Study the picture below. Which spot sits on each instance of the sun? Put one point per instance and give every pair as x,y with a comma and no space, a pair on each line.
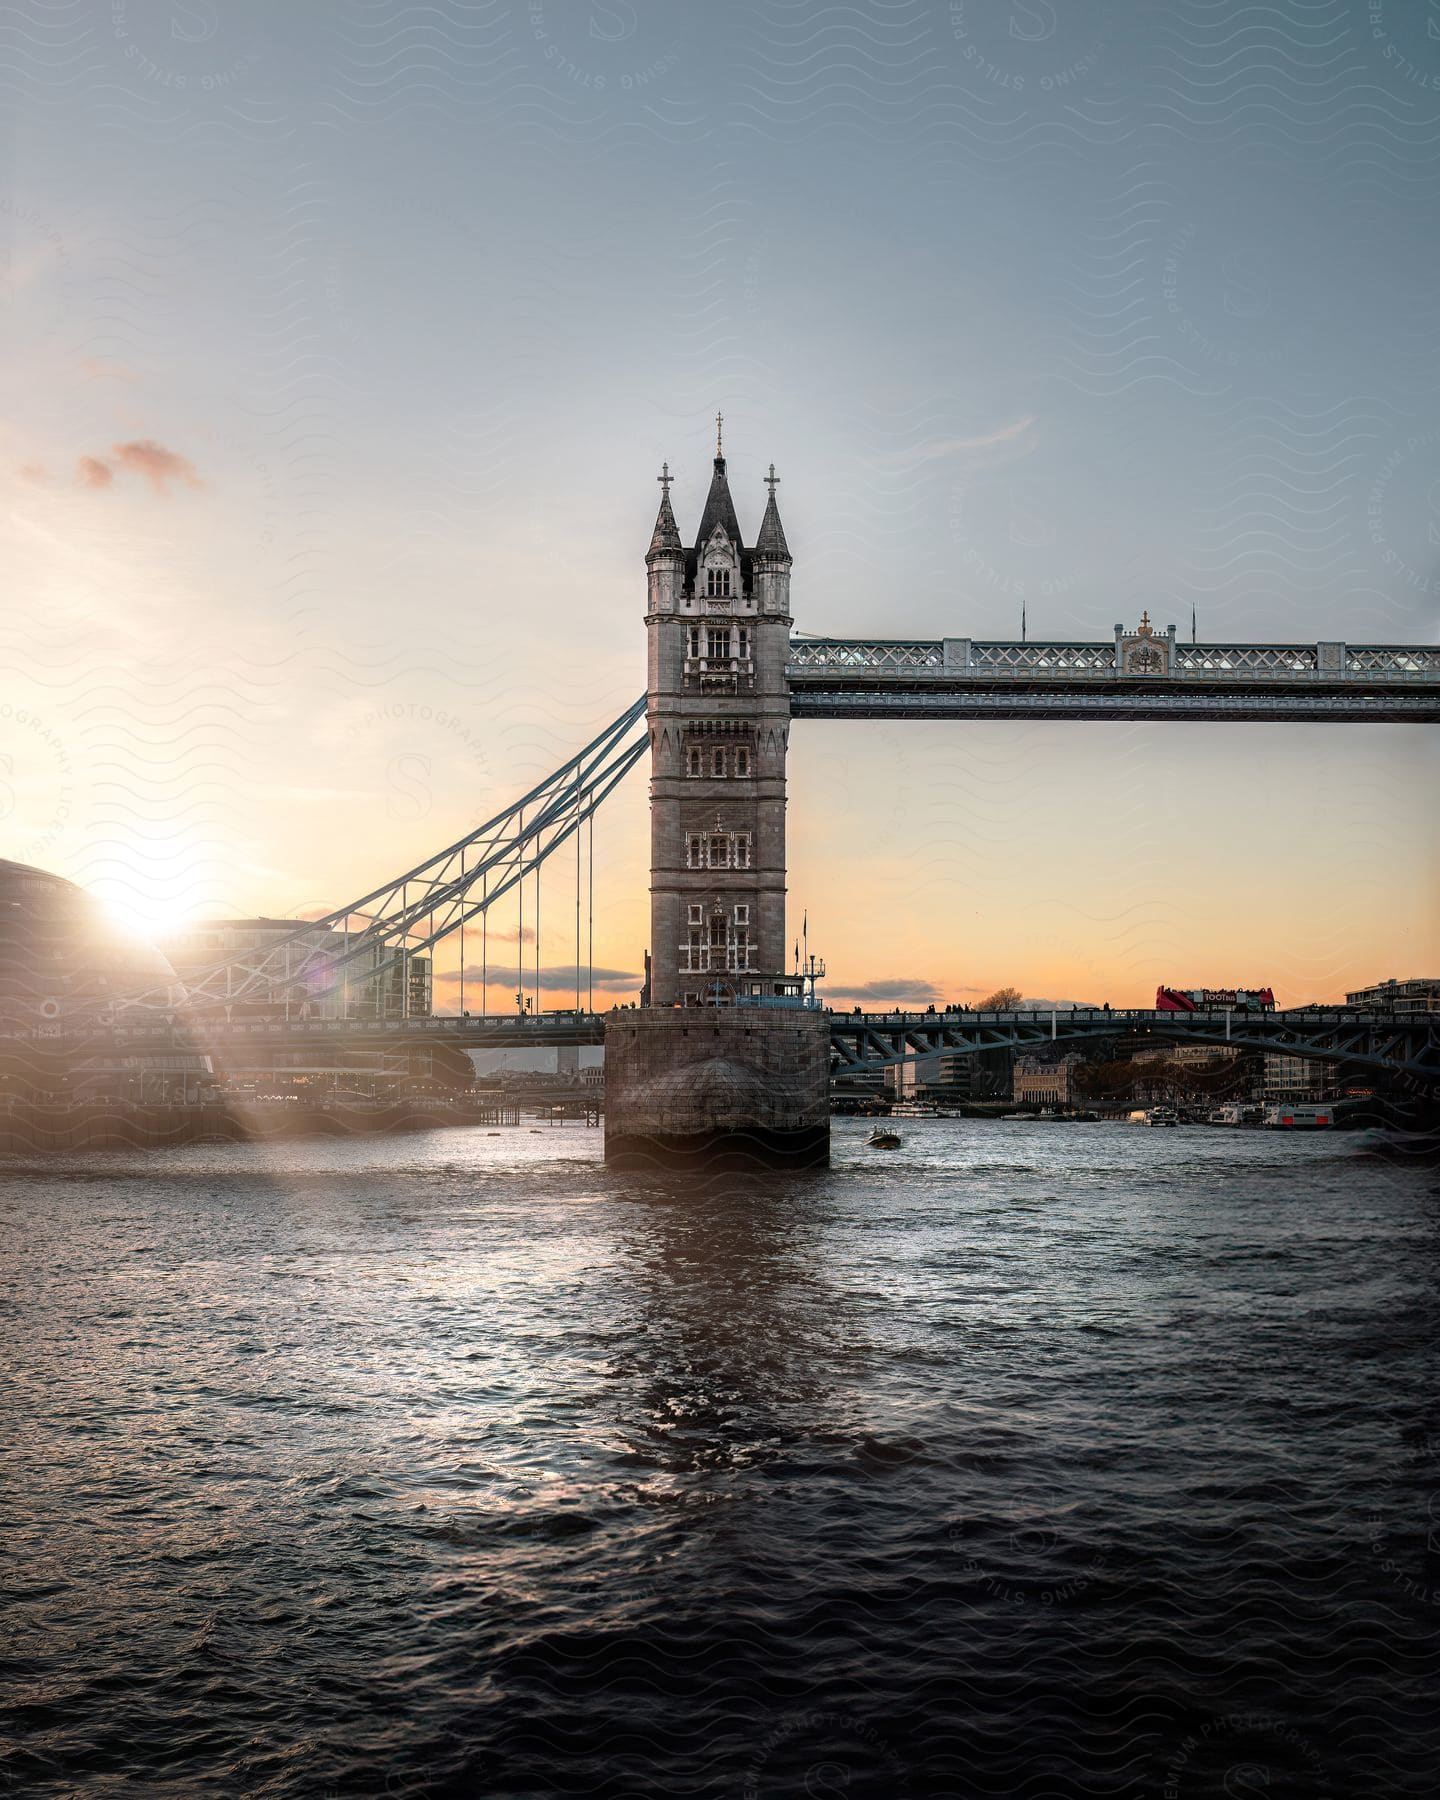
154,892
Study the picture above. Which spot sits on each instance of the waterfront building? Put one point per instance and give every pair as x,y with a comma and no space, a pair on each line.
298,981
901,1080
1420,994
67,971
1298,1078
1203,1055
949,1076
1046,1081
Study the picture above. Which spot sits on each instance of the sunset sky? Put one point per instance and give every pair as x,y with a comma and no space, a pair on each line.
343,350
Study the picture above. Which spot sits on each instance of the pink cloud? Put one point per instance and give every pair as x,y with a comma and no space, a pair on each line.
159,466
94,473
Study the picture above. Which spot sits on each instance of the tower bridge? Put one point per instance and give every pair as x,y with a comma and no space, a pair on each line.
727,1050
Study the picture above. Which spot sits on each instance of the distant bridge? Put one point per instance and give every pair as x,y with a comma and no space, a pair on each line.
859,1042
866,1041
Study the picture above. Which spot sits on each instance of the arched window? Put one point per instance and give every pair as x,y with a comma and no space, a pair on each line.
697,762
717,581
719,764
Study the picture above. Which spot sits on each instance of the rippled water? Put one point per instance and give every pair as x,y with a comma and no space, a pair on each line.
1032,1460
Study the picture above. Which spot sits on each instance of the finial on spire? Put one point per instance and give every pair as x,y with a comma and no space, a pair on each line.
1144,629
665,478
719,426
771,541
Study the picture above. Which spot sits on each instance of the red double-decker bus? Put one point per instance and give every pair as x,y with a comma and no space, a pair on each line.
1169,999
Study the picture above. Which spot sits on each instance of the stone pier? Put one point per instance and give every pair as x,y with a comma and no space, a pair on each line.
717,1087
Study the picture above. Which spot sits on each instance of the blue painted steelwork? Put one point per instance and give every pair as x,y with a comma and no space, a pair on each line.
1411,1045
863,1041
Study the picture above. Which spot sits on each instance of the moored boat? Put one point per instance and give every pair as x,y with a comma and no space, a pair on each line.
1237,1113
1300,1116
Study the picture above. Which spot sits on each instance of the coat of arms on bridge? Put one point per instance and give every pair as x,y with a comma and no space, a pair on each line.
1143,651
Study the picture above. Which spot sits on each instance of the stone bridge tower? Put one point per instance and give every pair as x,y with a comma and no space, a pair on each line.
727,1066
718,624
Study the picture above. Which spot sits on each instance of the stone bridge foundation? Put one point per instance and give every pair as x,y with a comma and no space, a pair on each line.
718,1087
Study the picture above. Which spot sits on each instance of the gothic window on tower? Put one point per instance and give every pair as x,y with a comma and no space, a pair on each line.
742,761
697,762
742,635
694,641
697,915
742,849
717,581
717,643
695,851
719,764
719,851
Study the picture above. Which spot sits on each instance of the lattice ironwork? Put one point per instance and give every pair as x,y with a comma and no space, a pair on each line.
865,653
1042,659
1313,663
1396,659
1247,659
410,913
1327,1034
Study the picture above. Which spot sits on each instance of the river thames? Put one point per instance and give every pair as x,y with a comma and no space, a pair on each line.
1029,1459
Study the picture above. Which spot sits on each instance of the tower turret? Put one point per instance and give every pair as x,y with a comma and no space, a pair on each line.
665,559
771,558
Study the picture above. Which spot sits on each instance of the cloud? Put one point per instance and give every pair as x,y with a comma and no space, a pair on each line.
97,369
994,440
557,975
891,987
143,457
159,466
36,472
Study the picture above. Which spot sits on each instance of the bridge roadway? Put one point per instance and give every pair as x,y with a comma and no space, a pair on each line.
961,678
858,1041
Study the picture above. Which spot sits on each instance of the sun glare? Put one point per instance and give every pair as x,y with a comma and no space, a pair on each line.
151,898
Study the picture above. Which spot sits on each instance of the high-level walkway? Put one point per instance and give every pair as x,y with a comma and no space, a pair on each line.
960,678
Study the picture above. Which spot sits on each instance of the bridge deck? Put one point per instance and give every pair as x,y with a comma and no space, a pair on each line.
858,1041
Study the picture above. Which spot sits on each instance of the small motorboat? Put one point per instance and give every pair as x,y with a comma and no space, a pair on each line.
884,1137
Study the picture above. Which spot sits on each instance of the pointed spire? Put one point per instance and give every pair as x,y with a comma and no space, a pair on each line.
665,540
719,509
771,541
